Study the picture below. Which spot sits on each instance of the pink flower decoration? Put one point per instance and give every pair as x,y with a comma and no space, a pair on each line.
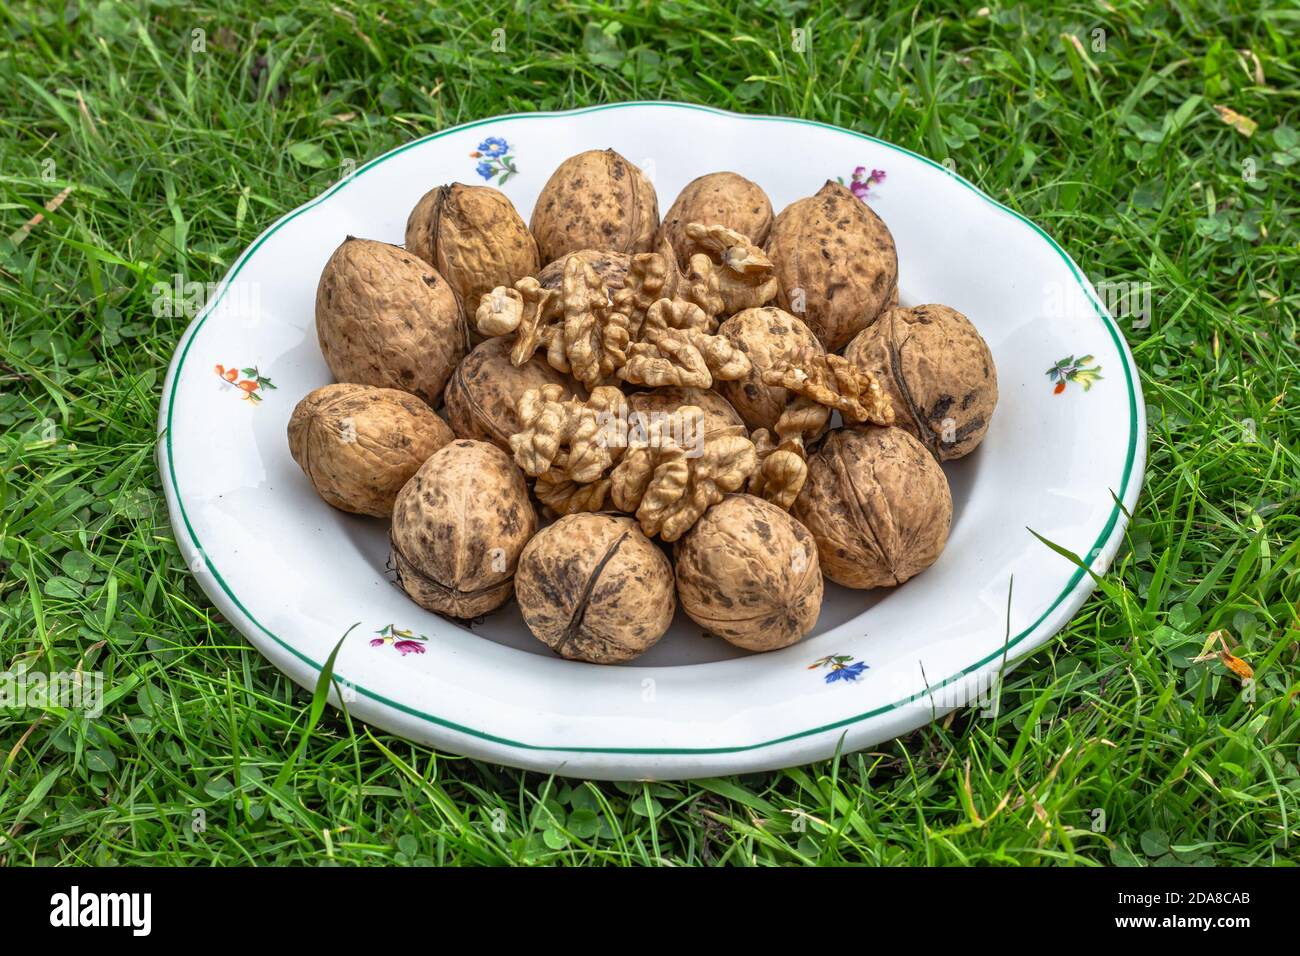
409,647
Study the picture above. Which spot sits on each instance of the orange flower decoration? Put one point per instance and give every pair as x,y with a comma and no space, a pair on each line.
249,386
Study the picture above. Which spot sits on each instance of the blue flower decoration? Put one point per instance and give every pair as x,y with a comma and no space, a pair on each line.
492,147
846,672
485,169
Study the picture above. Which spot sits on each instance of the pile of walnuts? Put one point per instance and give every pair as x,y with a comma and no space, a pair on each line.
742,387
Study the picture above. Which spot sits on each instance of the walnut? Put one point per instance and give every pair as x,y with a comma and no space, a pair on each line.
526,311
675,350
725,198
835,382
582,332
595,200
670,485
835,262
743,275
802,418
567,433
561,495
385,318
937,370
771,337
748,572
701,285
499,312
658,403
878,504
474,237
459,526
612,267
593,340
480,398
358,445
782,469
651,276
593,588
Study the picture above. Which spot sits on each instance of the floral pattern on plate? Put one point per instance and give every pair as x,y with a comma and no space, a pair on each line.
252,383
400,639
841,667
1071,369
494,160
861,182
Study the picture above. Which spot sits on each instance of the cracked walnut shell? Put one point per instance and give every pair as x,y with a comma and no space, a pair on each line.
878,504
595,200
938,372
474,237
593,588
386,318
358,445
459,526
836,264
748,572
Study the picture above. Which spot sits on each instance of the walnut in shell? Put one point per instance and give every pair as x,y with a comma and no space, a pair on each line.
938,372
748,572
384,317
836,264
474,237
727,199
771,337
595,200
878,504
482,394
459,526
358,445
593,588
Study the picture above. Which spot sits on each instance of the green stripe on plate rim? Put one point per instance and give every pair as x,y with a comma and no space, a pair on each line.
482,735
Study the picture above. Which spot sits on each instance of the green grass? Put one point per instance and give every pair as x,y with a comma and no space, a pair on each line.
1111,745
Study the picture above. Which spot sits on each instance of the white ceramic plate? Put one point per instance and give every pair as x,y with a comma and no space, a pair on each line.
294,575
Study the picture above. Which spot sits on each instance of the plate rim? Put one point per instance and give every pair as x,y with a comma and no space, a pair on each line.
1075,591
